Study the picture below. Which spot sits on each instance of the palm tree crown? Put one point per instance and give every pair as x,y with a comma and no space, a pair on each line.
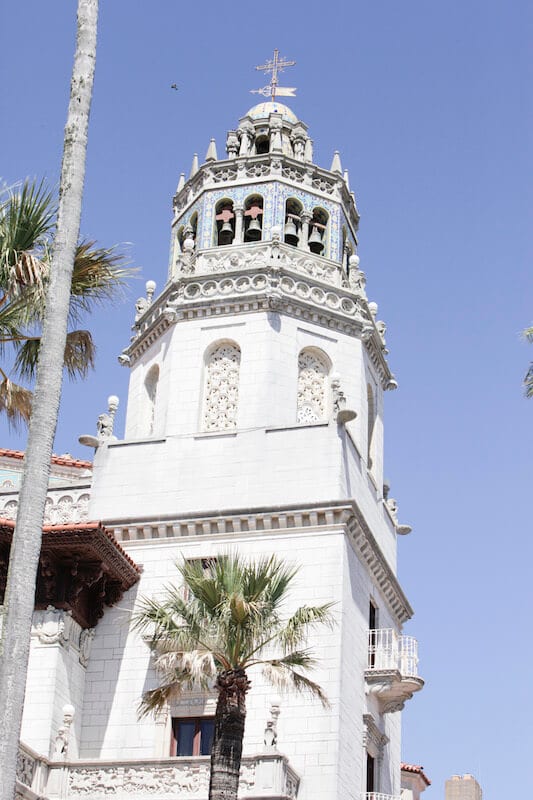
232,620
27,227
528,380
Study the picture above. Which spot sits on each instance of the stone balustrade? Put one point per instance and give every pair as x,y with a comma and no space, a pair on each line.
267,776
65,505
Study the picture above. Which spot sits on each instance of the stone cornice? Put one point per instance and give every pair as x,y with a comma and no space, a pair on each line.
333,516
267,286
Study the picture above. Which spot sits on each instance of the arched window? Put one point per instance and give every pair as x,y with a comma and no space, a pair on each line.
313,369
150,385
317,231
262,144
293,221
371,423
253,218
224,222
221,391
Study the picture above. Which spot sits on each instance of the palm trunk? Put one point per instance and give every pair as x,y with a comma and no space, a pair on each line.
226,753
26,545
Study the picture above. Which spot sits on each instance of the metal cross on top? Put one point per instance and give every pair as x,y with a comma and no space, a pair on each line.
275,65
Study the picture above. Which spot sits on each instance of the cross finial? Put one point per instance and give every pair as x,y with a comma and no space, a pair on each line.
275,65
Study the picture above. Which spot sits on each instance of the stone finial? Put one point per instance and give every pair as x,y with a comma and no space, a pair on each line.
341,412
392,506
308,154
194,166
232,144
63,733
336,163
347,179
181,183
211,154
373,308
392,384
150,287
104,426
271,729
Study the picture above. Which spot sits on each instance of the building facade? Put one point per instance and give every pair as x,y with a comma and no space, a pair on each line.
254,422
462,787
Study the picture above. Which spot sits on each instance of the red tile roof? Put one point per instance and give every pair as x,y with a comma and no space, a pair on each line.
417,769
60,461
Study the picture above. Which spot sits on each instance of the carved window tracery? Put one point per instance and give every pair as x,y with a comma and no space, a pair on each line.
313,369
222,387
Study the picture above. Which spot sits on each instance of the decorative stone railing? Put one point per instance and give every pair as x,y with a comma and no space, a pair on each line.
267,776
62,505
378,796
270,165
219,259
392,670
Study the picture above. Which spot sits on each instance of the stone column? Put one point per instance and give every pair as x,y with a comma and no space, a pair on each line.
304,232
239,224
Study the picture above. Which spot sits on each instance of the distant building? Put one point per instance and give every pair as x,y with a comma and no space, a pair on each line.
462,787
413,781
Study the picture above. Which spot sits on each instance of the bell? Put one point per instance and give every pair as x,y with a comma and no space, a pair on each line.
253,234
315,242
291,233
225,234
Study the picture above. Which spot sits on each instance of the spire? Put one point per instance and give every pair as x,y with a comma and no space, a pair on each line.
211,154
347,179
336,163
181,183
194,166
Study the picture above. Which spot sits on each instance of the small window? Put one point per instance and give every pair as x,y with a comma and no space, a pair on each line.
221,389
262,145
192,736
370,773
313,369
371,424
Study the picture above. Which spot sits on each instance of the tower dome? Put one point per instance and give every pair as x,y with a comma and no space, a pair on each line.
263,111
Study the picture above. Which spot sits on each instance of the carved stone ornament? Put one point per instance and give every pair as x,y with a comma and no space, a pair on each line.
53,626
25,768
222,388
312,379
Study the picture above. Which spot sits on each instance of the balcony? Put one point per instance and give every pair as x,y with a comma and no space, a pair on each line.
267,776
392,671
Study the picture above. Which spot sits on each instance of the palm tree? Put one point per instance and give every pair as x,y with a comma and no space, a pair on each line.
28,217
26,544
231,621
528,380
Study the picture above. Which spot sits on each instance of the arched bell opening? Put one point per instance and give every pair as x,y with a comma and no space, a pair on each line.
262,144
253,219
225,222
317,231
293,222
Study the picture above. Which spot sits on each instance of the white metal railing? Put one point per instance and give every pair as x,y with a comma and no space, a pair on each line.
387,650
378,796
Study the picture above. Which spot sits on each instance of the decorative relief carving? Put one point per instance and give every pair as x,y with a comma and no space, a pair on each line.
312,380
222,388
53,626
71,507
25,768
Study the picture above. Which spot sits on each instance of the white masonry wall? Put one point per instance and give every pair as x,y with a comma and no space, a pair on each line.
318,742
269,460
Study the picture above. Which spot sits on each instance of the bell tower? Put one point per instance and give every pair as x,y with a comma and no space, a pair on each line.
255,422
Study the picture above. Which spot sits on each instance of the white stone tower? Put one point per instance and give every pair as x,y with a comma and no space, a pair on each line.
255,422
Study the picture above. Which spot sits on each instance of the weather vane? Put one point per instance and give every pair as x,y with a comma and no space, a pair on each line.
275,65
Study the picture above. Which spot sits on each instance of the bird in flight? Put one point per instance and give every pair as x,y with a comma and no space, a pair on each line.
174,86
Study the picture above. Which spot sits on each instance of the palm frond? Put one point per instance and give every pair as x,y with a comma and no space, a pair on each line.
304,619
99,274
78,358
27,215
15,402
528,382
79,353
282,674
528,333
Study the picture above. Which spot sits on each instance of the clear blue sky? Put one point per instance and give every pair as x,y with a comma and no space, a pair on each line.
430,106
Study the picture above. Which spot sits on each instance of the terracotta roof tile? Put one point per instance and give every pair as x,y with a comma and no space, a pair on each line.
60,461
417,769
